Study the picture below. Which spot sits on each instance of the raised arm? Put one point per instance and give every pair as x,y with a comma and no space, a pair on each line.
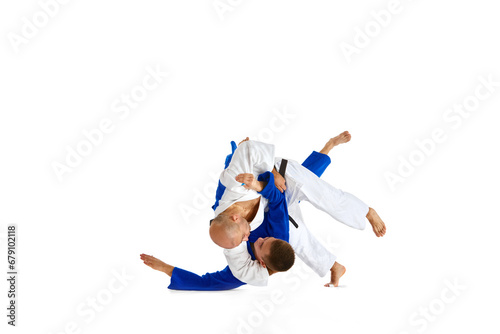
250,157
185,280
278,211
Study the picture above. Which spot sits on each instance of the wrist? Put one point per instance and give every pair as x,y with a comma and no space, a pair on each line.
168,269
260,186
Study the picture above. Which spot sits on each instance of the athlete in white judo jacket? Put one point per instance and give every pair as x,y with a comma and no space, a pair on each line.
240,210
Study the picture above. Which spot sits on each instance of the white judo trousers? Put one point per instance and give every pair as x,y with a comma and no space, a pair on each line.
303,185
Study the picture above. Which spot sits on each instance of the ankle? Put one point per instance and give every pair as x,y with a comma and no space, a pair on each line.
369,215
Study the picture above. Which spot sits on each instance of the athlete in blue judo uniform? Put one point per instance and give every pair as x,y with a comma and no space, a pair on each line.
241,210
275,225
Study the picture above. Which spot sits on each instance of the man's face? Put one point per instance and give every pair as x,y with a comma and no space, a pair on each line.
242,233
262,249
244,230
231,232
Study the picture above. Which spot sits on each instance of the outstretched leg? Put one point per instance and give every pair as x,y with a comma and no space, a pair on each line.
343,206
303,185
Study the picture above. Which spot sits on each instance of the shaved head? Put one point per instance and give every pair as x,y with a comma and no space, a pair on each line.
228,231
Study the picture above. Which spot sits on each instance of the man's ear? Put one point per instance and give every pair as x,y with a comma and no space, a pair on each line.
262,263
234,217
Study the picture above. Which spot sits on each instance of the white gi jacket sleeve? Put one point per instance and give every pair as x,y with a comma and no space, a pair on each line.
250,157
244,268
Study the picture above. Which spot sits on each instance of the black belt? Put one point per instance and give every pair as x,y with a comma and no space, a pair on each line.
282,171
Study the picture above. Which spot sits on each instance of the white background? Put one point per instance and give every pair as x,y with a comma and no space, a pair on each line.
227,79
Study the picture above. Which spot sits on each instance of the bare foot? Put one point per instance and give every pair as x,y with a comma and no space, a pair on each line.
342,138
157,264
376,222
336,273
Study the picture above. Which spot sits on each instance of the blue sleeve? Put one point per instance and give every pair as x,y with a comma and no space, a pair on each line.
317,163
220,280
270,191
277,214
220,187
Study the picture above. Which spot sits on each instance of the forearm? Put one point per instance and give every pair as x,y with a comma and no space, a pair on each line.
250,157
248,181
